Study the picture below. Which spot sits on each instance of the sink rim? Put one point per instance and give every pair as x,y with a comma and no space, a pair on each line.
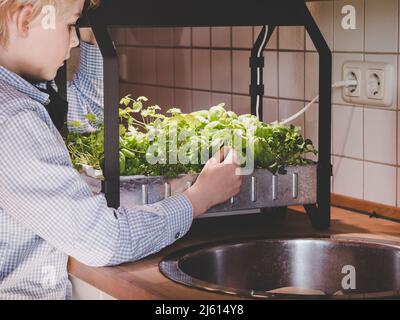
169,267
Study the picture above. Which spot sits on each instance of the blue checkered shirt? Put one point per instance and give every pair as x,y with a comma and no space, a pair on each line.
47,212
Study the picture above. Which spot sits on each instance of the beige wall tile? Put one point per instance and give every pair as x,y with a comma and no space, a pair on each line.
380,183
397,138
141,65
291,75
311,127
348,39
139,90
398,187
165,98
217,98
311,75
291,38
221,37
125,89
271,73
381,25
201,100
221,70
347,125
344,171
241,104
288,108
163,36
147,60
322,12
241,71
183,67
201,74
242,37
380,135
398,84
183,99
270,111
133,64
182,37
165,66
201,37
139,36
148,91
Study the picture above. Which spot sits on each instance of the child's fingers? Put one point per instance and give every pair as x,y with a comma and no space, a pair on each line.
232,157
219,156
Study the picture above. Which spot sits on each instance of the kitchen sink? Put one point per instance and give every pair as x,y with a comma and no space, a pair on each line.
290,268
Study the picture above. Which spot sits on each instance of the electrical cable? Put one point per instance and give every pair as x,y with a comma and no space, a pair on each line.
339,84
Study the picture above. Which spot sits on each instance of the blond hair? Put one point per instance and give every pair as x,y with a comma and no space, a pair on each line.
9,7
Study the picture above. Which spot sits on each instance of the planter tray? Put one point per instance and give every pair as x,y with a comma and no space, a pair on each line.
262,189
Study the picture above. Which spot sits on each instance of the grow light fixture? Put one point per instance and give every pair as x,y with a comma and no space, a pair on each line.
206,13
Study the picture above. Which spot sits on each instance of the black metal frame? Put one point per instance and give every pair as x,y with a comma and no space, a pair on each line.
188,13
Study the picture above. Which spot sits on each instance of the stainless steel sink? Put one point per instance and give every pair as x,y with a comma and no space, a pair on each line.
321,268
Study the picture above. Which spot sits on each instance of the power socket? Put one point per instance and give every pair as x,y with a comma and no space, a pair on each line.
352,74
375,83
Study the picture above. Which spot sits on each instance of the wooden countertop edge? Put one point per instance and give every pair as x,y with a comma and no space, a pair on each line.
127,282
126,289
106,280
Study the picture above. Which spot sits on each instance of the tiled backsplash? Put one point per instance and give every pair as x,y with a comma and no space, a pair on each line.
195,68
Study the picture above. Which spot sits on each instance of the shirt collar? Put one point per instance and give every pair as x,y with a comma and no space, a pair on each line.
22,85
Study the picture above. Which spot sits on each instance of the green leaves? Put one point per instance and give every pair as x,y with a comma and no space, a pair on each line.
125,100
188,139
279,146
174,111
216,112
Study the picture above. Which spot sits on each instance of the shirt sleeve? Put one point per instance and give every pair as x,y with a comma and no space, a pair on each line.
85,91
41,190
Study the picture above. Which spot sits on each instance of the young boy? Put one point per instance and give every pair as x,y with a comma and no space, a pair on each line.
47,212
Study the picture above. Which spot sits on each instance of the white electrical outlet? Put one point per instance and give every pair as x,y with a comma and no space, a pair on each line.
375,83
350,73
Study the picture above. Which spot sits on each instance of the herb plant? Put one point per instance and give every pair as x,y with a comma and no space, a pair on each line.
146,134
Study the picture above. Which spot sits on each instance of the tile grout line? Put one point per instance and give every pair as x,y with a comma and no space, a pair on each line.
363,111
333,48
231,55
211,68
253,37
191,69
173,68
397,106
383,53
278,70
304,80
266,97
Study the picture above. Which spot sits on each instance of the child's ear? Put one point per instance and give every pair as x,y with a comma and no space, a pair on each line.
23,19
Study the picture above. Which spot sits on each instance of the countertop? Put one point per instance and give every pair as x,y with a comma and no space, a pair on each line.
142,279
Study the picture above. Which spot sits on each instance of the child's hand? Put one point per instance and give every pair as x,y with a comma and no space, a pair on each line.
87,35
216,183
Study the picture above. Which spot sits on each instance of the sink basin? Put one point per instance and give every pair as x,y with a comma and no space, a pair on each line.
323,268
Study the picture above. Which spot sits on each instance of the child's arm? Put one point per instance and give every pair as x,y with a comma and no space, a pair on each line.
42,191
85,90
